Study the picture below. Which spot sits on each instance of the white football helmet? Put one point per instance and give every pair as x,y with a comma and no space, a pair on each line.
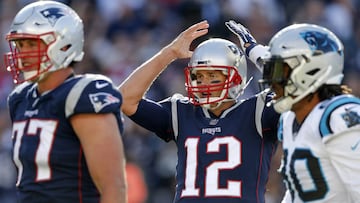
216,54
53,23
313,53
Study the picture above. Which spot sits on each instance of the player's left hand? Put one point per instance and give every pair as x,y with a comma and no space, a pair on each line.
247,41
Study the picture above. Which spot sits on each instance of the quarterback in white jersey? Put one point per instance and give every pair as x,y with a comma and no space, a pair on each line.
320,122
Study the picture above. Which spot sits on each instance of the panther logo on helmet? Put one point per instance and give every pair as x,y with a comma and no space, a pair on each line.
319,41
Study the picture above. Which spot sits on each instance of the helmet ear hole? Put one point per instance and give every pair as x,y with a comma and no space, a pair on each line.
65,48
313,72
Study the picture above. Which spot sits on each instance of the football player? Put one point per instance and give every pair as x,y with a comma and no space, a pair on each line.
224,144
320,121
65,127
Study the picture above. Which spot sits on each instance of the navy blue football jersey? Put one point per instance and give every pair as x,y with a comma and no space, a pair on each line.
46,151
220,159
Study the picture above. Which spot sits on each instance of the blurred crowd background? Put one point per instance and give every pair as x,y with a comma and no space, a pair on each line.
121,34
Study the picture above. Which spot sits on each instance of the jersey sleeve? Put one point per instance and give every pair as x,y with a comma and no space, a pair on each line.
155,117
340,115
269,117
341,137
256,55
93,94
344,153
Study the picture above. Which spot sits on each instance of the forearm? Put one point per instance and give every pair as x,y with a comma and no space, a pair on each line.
136,85
114,195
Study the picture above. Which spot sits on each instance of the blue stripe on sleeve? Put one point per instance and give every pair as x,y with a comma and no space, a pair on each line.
325,119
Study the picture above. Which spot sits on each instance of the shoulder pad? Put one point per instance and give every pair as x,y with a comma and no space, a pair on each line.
97,77
19,91
95,91
330,107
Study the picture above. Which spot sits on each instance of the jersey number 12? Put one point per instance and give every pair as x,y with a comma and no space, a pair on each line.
233,147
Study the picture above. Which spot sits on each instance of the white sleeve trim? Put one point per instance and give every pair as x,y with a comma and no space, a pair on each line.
260,104
256,53
174,114
74,96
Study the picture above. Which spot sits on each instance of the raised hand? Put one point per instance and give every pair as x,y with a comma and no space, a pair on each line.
247,41
249,46
180,46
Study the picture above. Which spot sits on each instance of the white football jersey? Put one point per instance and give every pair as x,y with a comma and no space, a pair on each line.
321,160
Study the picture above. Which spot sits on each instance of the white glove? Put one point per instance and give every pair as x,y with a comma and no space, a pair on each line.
247,41
249,46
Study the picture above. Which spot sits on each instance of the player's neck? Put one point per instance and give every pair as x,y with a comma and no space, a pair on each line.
223,106
303,108
54,79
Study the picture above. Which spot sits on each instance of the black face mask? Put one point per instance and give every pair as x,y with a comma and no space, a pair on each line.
274,73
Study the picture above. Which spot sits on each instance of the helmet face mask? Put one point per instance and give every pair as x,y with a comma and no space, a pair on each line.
273,73
216,90
314,57
49,22
221,56
29,64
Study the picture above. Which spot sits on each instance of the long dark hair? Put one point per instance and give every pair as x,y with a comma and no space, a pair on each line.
328,91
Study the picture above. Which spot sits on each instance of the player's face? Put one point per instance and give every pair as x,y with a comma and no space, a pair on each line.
212,82
276,75
30,53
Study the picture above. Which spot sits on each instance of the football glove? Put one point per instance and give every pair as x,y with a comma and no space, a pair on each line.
247,41
249,46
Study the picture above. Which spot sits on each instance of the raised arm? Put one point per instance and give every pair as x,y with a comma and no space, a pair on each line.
138,82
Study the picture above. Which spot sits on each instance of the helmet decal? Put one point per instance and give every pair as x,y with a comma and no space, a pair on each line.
319,41
52,14
234,49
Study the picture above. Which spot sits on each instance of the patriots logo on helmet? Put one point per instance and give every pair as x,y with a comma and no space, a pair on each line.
101,100
319,42
234,49
53,14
